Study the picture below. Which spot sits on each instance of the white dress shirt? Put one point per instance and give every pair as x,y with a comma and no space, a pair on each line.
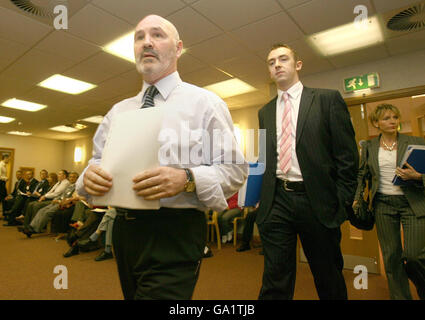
294,93
57,189
191,111
3,171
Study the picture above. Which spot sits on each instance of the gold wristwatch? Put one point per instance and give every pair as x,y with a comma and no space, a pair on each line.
189,186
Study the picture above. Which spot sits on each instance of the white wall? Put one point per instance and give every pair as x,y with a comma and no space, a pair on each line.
34,152
399,72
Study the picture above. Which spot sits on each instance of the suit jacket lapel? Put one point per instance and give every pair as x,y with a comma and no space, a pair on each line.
270,120
401,148
305,105
374,154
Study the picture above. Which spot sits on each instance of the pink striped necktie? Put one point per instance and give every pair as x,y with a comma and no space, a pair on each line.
285,153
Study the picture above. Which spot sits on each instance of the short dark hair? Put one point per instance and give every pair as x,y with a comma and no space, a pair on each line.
4,156
66,173
284,45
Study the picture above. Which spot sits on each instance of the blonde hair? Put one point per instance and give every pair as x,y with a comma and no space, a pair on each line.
380,110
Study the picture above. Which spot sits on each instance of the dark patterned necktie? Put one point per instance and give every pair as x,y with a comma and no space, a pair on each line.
150,93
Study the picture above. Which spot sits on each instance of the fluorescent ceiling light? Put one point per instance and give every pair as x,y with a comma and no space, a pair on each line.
63,129
65,84
20,133
347,37
230,88
94,119
6,119
23,105
418,96
122,47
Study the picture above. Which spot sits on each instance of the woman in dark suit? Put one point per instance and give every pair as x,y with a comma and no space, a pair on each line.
395,205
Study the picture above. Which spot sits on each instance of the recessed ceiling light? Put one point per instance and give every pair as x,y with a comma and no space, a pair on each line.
20,133
65,84
94,119
63,129
123,47
230,88
6,119
418,96
23,105
347,37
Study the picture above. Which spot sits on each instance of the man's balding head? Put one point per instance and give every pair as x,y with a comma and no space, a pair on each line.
157,47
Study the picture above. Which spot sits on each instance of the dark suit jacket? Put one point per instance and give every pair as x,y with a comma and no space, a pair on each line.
369,166
326,151
42,187
31,186
19,185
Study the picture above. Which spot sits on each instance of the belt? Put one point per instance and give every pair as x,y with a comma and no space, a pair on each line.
292,186
130,214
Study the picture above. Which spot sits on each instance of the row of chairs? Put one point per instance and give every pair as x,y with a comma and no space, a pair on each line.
213,226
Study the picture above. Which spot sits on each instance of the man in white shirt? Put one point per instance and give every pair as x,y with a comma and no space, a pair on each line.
3,179
159,252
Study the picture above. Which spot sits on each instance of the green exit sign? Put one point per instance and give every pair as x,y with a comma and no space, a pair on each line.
366,81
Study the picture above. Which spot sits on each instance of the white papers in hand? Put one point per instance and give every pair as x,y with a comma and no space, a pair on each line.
131,147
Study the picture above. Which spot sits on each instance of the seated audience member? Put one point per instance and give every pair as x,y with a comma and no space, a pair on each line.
83,230
45,214
10,199
30,185
43,186
225,219
3,179
248,230
106,226
61,221
55,192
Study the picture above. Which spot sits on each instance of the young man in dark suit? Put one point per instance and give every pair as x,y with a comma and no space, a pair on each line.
309,181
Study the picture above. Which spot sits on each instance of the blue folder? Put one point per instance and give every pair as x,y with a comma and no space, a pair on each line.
249,194
415,156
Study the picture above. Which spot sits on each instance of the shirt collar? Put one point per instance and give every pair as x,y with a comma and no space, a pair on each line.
165,86
294,92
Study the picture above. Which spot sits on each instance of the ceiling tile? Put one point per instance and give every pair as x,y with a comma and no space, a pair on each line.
97,26
188,63
383,6
134,11
13,52
264,33
406,43
288,4
205,77
99,68
218,49
359,56
249,68
236,13
319,15
67,45
20,28
185,19
36,66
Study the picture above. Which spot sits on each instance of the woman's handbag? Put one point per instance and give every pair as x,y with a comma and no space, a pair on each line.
363,217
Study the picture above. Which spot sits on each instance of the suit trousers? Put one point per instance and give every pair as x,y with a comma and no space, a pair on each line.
401,261
43,216
292,215
159,253
32,210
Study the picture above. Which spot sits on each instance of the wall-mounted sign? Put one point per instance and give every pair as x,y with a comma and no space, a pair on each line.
366,81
